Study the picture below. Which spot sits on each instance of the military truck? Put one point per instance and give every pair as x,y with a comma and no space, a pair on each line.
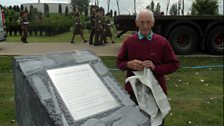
186,34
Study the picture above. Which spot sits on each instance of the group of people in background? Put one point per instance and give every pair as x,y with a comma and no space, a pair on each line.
100,27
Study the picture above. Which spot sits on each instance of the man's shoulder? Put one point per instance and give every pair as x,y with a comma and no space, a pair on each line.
160,37
132,37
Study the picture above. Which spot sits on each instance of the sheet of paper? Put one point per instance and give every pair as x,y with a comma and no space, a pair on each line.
150,96
82,90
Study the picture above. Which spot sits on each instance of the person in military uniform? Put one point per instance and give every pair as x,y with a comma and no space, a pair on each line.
93,10
107,27
24,26
78,28
99,29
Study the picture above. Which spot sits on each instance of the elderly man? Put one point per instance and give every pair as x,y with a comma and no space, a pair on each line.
146,49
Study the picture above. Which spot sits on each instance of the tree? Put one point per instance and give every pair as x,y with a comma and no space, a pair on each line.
46,9
21,7
59,9
31,8
151,6
179,7
26,9
111,13
66,10
34,14
205,7
173,9
182,10
157,11
14,8
80,5
115,13
118,7
17,8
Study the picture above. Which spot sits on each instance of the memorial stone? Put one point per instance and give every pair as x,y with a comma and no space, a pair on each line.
71,89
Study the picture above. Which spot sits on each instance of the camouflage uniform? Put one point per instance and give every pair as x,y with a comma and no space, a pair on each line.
78,28
24,26
107,27
92,23
99,30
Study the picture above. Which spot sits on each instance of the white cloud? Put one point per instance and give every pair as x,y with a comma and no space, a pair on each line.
18,2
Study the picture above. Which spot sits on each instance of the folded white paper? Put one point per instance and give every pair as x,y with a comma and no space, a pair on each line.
150,96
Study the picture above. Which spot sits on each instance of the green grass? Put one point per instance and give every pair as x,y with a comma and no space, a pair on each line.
197,97
64,37
196,94
7,104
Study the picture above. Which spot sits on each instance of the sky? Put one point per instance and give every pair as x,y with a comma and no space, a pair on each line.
126,6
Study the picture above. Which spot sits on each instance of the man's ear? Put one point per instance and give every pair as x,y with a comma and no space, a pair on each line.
153,23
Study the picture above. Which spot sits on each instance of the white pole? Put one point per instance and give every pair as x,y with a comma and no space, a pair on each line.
135,6
167,6
118,7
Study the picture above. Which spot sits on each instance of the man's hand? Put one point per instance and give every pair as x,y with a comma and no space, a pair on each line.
135,65
149,64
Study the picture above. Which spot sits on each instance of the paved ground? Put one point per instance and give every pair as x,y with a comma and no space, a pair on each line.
18,48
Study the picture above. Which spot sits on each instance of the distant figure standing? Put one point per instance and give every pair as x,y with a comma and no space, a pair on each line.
99,30
92,23
78,28
108,27
24,26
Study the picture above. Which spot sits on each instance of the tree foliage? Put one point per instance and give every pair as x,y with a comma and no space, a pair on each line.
173,9
80,5
46,9
66,10
59,9
151,6
205,7
33,15
11,15
157,10
21,7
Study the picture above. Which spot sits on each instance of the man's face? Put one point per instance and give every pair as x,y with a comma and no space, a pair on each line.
145,23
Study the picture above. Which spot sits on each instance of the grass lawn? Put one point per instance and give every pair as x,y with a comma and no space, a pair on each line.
196,95
64,37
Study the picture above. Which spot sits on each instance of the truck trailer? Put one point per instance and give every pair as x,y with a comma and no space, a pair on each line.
186,34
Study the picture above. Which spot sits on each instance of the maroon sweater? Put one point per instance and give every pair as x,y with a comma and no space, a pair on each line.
158,50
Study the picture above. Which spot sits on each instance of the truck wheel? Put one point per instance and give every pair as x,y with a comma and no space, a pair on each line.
183,39
215,40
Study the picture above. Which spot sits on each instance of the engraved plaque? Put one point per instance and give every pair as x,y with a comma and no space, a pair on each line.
82,91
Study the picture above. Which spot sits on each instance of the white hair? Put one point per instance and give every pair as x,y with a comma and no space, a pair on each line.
147,11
